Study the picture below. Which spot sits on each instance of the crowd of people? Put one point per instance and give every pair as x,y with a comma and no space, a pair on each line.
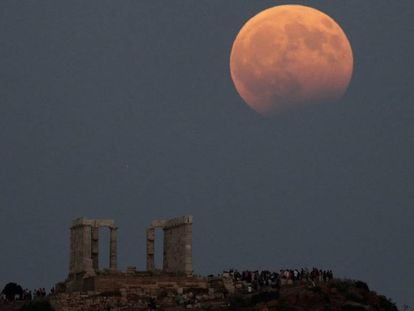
258,279
26,295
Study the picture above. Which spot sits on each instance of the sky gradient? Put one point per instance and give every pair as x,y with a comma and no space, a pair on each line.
126,110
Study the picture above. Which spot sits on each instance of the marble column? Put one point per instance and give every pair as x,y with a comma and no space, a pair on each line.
72,262
150,249
95,248
113,249
86,247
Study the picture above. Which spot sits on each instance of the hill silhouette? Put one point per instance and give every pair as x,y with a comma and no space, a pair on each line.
334,295
341,295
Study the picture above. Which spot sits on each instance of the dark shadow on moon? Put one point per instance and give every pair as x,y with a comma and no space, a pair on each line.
313,38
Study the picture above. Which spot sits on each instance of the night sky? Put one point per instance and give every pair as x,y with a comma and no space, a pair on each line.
126,110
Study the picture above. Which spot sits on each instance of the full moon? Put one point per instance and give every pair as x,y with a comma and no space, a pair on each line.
290,56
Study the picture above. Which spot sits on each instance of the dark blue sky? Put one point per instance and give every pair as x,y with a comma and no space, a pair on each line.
126,110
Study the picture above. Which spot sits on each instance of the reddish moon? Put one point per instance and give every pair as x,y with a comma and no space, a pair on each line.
290,56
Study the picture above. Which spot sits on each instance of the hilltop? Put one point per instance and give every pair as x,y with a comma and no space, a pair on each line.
221,294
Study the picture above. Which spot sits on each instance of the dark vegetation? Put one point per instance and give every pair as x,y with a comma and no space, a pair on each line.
334,295
11,290
37,305
16,300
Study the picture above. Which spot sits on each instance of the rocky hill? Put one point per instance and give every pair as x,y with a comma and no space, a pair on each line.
223,294
333,295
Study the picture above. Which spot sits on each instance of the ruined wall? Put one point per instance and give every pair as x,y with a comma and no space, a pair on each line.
123,292
178,246
148,284
80,249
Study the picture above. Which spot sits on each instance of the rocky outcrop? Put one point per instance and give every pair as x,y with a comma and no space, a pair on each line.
224,294
333,295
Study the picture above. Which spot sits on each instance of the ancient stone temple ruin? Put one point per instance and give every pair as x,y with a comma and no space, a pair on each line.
84,270
173,287
84,246
177,245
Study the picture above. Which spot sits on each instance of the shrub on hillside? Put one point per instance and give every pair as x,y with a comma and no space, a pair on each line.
362,285
264,297
11,290
41,305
